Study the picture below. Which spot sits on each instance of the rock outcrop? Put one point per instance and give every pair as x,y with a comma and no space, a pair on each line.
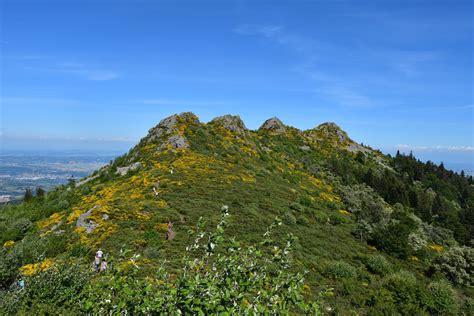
169,125
85,222
175,142
331,129
124,170
231,122
87,179
274,125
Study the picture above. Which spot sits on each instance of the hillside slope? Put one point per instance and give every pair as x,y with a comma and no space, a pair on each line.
372,231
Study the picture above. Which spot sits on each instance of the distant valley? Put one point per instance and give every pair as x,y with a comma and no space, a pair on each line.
19,171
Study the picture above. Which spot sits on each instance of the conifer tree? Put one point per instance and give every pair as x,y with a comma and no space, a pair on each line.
40,192
28,195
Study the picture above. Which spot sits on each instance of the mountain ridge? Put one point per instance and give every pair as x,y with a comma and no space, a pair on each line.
347,204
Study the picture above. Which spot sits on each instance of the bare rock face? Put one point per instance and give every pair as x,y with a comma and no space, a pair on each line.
355,148
231,122
124,170
274,124
170,124
84,221
85,180
331,129
176,142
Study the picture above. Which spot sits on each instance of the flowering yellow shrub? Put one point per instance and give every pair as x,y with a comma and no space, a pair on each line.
52,220
76,212
344,212
436,247
162,227
328,197
136,195
8,243
33,268
161,204
232,178
248,178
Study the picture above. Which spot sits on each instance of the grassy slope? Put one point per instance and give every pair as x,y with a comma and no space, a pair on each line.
260,175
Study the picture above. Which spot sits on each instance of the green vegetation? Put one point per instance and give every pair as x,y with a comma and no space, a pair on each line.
372,234
235,280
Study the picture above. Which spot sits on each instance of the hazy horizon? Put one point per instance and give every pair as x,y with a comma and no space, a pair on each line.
91,75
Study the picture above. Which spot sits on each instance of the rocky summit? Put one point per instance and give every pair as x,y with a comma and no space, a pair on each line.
360,225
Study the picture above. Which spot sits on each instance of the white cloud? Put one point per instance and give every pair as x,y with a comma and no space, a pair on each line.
84,70
436,148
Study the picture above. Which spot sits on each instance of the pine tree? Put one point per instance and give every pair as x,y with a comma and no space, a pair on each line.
369,177
28,195
40,192
72,182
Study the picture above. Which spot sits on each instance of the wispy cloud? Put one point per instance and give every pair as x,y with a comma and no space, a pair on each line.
409,63
346,96
81,69
181,102
311,53
75,139
278,34
436,148
16,101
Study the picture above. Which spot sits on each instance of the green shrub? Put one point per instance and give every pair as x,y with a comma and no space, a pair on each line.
457,263
218,276
289,219
297,207
55,245
407,293
302,220
80,250
58,286
337,219
305,201
443,300
62,205
85,189
321,218
378,264
340,270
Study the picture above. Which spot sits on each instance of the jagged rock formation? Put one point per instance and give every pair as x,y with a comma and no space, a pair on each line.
330,129
274,124
231,122
169,125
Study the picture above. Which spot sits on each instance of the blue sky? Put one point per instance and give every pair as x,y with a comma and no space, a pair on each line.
99,74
